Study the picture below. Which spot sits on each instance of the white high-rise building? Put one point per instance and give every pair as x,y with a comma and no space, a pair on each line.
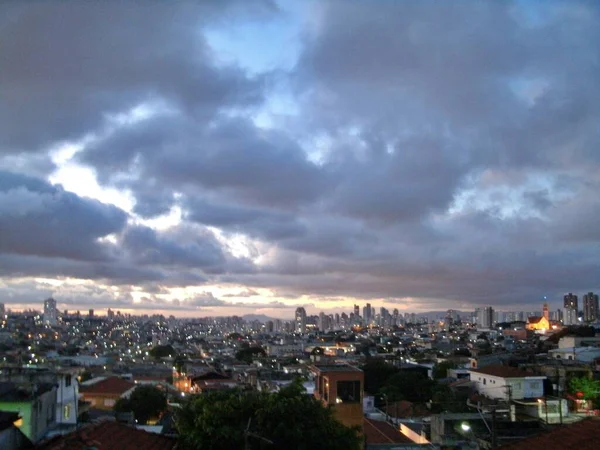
485,317
571,309
50,312
300,323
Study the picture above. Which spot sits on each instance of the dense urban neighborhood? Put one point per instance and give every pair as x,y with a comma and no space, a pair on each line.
450,379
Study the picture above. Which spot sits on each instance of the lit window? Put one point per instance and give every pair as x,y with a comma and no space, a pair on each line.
67,411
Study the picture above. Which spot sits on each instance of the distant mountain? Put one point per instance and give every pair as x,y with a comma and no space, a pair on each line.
260,317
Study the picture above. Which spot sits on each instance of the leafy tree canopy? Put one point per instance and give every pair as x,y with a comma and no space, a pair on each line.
162,351
146,402
411,386
377,372
289,419
589,388
248,354
441,370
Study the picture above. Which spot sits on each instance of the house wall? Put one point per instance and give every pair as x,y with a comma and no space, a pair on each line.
24,410
38,415
350,414
505,388
67,396
100,401
12,439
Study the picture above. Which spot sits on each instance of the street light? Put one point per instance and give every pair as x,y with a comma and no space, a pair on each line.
465,427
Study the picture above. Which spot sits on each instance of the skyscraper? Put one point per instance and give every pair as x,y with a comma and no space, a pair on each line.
485,317
356,310
570,304
367,317
590,307
300,324
50,312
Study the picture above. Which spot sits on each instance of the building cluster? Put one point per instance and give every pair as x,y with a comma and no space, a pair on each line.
510,372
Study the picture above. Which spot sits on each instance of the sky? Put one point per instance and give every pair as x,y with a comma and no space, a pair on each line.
234,157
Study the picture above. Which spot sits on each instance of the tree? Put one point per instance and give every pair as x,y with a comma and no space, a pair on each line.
248,354
441,370
584,387
234,419
146,402
162,351
411,386
377,372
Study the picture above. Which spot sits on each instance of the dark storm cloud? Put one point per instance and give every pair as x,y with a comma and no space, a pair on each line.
175,247
458,147
37,218
230,156
66,66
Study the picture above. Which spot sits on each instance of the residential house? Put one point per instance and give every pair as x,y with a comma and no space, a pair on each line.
581,354
67,398
11,437
35,404
103,393
581,435
341,387
507,383
109,435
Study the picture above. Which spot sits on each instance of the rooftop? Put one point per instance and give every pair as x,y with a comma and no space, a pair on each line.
380,432
107,386
109,436
581,435
498,370
336,368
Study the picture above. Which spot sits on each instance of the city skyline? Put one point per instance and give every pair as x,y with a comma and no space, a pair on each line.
231,158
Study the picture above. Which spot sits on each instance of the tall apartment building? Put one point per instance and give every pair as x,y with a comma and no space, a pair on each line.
485,317
570,305
300,322
590,307
50,312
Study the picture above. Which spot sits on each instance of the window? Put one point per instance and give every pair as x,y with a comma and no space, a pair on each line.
534,385
348,392
68,381
67,411
485,381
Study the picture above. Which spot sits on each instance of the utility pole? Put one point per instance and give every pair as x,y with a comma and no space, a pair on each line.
494,438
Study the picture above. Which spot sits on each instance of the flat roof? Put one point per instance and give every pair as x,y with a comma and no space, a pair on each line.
336,368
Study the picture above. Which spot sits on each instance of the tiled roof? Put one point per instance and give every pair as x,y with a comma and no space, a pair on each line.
581,436
498,370
406,409
109,436
379,432
108,386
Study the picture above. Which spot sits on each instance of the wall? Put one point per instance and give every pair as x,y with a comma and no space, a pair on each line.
12,439
67,397
99,401
24,410
497,387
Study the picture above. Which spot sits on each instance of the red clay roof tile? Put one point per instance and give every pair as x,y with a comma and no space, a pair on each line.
581,436
111,385
109,436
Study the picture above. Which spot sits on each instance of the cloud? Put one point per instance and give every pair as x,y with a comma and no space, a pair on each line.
59,88
37,218
439,153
